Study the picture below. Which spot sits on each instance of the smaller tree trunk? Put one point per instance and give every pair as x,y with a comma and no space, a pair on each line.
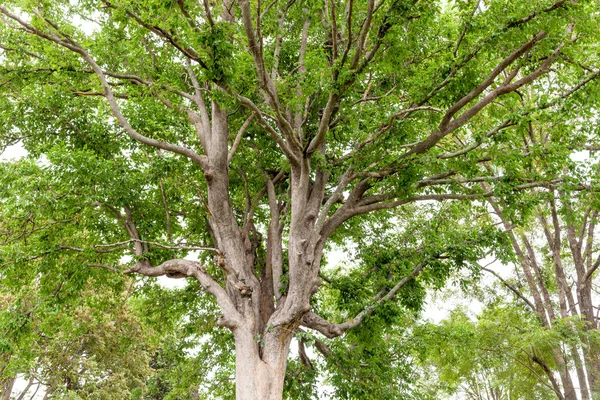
29,384
7,387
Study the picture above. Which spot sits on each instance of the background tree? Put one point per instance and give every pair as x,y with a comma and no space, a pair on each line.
555,248
257,134
557,259
86,346
553,286
504,354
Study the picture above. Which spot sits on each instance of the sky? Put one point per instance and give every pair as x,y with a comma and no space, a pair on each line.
13,152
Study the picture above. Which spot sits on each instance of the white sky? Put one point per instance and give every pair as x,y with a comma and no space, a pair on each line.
13,152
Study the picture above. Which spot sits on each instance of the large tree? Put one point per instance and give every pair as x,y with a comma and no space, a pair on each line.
254,134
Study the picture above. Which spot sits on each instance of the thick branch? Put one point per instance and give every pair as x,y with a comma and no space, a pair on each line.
180,268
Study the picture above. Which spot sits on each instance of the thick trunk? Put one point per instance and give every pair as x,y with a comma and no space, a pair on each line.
260,364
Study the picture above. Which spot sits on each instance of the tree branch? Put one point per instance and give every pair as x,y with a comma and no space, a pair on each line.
511,288
238,137
281,142
179,268
330,330
74,47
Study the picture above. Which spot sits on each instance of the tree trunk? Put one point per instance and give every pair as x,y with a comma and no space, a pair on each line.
543,305
261,364
29,384
7,388
566,302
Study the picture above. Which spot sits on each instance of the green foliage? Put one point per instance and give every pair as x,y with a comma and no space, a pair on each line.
491,353
65,208
92,346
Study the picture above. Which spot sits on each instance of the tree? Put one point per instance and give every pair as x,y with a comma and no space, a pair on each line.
257,134
553,285
559,275
504,354
91,345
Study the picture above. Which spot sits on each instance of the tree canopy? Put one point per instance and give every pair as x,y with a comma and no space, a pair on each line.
236,143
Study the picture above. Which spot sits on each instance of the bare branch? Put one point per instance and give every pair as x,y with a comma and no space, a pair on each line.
511,288
238,137
162,246
179,268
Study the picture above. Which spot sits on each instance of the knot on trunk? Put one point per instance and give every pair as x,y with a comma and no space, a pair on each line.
220,259
317,282
222,263
245,290
209,174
